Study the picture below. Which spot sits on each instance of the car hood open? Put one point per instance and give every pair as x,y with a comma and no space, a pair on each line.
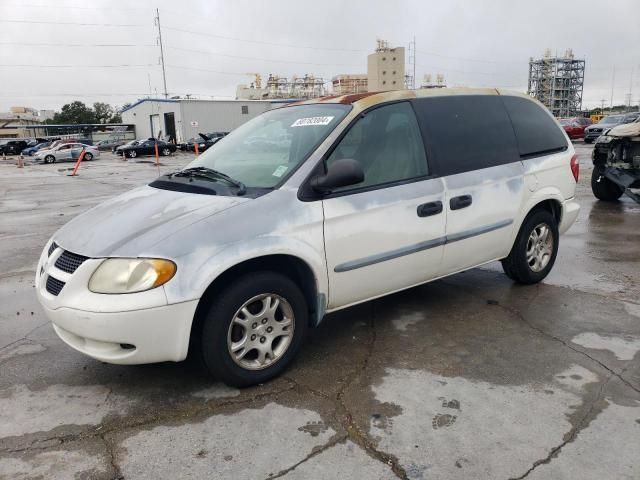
626,130
132,223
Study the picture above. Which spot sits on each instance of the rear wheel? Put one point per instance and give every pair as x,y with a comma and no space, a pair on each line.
254,329
603,188
534,251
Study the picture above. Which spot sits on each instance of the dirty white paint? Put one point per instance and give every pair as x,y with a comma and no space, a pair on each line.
437,433
342,461
632,308
624,347
54,465
605,450
25,411
407,320
21,348
575,378
217,391
247,445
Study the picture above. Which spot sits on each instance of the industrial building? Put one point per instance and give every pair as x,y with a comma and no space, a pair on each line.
385,68
348,83
279,87
20,122
557,83
183,118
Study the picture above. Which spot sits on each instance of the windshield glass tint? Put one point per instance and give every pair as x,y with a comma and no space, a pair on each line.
615,119
266,149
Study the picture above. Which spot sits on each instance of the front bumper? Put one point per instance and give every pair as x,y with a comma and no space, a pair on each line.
127,329
143,336
570,211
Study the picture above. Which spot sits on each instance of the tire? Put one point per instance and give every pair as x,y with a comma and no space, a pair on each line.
219,331
49,159
530,261
588,140
604,189
133,154
88,156
166,152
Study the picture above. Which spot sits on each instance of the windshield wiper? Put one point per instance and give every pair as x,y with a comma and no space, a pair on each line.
211,174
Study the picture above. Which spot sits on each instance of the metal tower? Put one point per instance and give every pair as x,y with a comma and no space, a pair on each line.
557,82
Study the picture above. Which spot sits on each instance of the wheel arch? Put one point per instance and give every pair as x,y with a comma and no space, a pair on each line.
550,201
291,266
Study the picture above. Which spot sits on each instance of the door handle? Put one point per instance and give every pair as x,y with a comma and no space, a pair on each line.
456,203
428,209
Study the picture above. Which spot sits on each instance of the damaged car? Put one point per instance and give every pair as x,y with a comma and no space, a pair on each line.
616,163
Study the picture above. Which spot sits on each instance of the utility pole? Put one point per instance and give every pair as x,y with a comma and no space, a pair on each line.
613,81
411,79
164,74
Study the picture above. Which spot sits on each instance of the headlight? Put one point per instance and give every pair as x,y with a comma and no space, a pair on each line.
130,275
202,144
604,139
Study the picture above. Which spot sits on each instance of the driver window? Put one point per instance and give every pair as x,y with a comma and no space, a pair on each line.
387,143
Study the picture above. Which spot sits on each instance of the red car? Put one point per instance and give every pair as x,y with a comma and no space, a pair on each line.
575,126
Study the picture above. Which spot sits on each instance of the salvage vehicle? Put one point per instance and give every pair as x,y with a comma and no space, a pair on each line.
13,147
146,147
205,141
592,132
66,152
235,257
109,144
35,148
616,163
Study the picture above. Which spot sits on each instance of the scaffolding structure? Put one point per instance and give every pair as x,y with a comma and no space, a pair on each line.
557,83
428,82
308,86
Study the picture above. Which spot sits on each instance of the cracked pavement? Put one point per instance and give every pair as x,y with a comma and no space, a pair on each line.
466,377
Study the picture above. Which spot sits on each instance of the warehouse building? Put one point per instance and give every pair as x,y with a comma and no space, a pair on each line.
178,119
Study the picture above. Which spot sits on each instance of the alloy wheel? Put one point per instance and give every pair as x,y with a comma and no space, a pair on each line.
261,331
539,247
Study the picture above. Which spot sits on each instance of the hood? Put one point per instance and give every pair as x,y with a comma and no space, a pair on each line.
626,130
130,224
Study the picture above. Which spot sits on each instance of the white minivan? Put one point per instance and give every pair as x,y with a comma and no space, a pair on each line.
304,210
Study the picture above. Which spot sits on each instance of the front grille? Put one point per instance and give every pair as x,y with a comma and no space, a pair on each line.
52,248
69,262
54,285
596,130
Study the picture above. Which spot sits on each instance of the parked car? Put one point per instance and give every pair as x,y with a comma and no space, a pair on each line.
205,141
575,126
39,146
592,132
146,147
66,152
13,147
109,144
239,254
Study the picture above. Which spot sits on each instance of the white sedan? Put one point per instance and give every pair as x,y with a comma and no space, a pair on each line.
67,152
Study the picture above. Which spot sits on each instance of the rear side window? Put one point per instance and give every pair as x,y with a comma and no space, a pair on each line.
467,132
535,130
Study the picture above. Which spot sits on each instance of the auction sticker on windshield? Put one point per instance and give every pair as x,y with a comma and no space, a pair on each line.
279,171
310,121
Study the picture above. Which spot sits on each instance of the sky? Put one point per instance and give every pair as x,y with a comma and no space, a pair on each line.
55,51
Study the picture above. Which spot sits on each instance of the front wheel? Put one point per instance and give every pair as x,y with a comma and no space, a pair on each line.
166,152
603,188
534,251
133,154
88,156
253,329
587,140
49,159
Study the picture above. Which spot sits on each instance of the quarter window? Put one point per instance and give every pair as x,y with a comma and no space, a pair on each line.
467,132
536,131
388,145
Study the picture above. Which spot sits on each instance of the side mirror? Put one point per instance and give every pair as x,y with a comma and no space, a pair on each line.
341,173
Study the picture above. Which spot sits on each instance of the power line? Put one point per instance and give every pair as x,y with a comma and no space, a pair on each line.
433,54
74,7
46,22
261,42
125,65
258,58
24,44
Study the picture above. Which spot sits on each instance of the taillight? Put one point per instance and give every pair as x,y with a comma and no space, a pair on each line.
575,167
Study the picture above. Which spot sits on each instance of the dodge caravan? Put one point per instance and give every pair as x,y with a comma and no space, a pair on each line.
305,210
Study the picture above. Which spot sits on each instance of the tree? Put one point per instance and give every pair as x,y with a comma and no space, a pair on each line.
75,112
103,112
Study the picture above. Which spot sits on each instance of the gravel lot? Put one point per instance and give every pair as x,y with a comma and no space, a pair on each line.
466,377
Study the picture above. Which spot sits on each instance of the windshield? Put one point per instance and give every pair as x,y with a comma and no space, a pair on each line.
566,121
266,149
611,119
